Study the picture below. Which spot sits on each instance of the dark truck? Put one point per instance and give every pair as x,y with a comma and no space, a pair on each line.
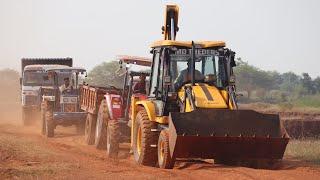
32,71
60,106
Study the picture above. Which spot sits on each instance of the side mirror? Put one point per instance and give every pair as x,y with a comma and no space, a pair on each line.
232,80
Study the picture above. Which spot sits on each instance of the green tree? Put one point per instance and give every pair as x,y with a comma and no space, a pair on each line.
307,83
316,84
104,75
250,78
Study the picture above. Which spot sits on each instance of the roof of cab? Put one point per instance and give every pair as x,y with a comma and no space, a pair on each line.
42,67
188,44
65,69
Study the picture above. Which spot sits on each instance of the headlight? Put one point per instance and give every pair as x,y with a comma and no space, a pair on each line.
30,93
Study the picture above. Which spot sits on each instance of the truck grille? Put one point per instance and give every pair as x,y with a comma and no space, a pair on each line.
31,100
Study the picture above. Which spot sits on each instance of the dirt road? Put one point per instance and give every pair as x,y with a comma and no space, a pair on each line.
25,154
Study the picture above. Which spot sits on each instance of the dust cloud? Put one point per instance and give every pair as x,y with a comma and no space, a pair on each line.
10,95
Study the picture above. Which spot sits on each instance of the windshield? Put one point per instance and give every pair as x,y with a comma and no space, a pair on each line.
40,78
207,63
35,78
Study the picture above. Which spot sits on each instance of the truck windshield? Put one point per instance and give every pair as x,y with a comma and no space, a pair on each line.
37,78
206,63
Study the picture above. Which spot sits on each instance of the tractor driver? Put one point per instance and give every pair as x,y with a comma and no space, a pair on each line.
185,76
140,86
66,85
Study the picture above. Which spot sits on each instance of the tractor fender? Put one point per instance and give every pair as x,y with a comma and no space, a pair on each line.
149,107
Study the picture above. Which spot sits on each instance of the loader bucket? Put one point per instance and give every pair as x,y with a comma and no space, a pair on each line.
232,134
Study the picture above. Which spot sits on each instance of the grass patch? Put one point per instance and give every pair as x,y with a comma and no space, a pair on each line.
307,150
308,101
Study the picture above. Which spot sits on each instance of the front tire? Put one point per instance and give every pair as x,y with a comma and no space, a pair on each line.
43,119
49,121
90,129
145,140
101,126
164,158
113,138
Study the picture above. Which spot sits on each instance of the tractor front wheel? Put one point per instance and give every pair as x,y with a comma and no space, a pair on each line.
145,140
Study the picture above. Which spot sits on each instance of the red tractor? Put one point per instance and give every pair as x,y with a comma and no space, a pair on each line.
108,108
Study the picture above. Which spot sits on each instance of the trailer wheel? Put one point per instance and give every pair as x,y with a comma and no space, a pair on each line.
145,140
49,121
164,157
90,129
101,126
113,138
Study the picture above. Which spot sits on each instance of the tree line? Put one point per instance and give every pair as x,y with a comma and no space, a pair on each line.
272,86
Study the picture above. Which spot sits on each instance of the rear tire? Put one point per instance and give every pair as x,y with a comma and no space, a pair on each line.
49,121
90,129
143,139
164,157
113,138
101,126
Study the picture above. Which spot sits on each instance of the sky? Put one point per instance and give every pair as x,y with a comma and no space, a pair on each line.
270,34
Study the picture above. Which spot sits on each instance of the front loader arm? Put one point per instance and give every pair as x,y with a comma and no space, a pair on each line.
170,28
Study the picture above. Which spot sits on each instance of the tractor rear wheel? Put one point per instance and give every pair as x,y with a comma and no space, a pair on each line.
145,140
164,157
49,121
90,129
113,138
101,126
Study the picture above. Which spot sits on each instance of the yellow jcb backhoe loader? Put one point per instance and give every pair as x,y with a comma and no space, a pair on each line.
191,109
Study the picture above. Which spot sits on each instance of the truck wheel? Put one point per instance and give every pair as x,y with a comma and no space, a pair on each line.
101,126
90,127
49,121
164,157
145,140
113,138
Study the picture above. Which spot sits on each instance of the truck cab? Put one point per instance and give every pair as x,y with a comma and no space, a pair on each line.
32,71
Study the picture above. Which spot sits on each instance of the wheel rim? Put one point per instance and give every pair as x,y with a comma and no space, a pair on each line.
161,151
139,136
